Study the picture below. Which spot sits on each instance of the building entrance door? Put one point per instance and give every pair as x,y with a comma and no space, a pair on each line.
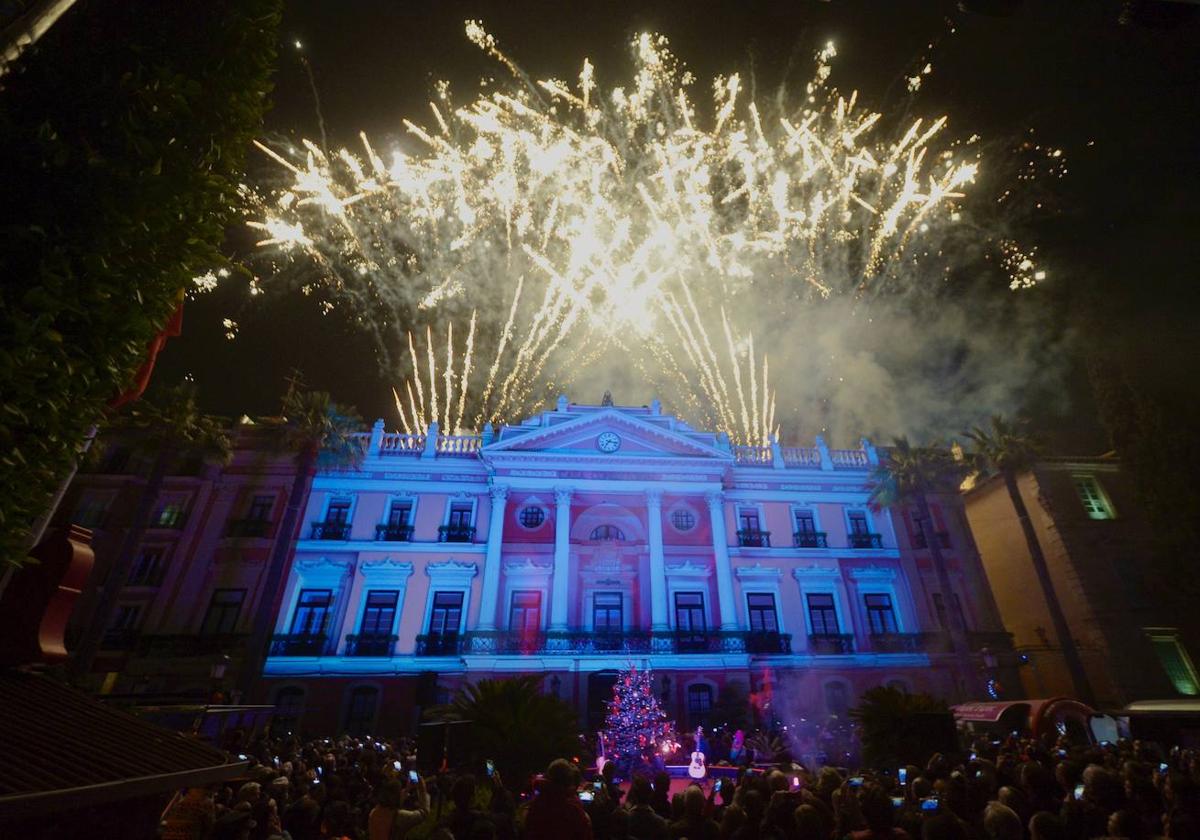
600,691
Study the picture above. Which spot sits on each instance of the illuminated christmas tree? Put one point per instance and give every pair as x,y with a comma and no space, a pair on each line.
637,733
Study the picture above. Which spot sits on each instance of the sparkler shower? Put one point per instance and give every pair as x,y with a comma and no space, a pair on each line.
549,231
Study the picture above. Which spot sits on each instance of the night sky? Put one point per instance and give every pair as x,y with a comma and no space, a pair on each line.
1123,243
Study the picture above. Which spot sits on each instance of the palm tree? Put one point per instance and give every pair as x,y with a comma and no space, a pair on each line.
888,725
906,477
1008,449
513,723
320,433
169,427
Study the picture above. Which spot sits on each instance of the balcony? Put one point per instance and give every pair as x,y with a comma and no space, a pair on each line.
298,644
898,642
456,534
393,533
186,644
124,638
249,528
753,538
371,644
438,644
865,540
810,539
330,531
584,643
831,643
919,540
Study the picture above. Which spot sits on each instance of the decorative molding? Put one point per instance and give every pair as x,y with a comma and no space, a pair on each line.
499,492
801,573
562,496
872,572
527,566
387,565
689,569
322,564
758,572
716,501
451,571
654,498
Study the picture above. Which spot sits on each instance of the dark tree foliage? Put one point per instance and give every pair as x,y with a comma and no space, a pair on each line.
124,133
894,726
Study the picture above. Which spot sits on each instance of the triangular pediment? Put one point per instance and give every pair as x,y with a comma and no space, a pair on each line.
608,432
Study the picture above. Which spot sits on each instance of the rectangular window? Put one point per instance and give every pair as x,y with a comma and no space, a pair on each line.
939,607
312,612
399,513
762,612
806,522
700,699
1177,664
170,515
880,616
148,568
447,613
379,612
460,515
223,611
918,534
1095,503
690,625
748,520
525,614
822,614
338,512
260,509
608,612
90,513
858,522
128,617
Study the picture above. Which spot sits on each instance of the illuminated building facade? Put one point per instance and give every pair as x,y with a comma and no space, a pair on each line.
591,537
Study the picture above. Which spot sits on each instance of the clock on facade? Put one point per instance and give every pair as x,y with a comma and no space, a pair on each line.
608,442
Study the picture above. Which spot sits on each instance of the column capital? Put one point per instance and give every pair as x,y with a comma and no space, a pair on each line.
562,495
715,499
499,492
654,497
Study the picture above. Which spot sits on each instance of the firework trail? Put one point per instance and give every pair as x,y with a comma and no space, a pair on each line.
560,222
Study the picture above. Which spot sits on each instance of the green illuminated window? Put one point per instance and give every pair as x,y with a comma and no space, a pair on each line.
1177,664
1093,499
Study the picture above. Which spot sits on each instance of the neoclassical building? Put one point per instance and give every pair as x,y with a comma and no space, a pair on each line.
590,537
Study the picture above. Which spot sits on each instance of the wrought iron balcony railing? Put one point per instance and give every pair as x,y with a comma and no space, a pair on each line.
831,643
187,644
753,538
456,533
919,540
898,642
582,643
439,644
865,541
330,531
298,644
809,539
393,533
249,527
371,644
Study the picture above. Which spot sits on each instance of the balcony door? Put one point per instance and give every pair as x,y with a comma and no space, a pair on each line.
608,612
379,612
525,615
690,624
312,612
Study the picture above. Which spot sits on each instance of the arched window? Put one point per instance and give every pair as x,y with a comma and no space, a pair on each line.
699,700
683,519
608,533
360,709
289,705
837,698
532,516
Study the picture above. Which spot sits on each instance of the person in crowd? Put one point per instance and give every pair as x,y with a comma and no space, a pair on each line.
556,811
694,825
643,822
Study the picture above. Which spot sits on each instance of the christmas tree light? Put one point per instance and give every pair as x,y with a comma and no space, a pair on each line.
636,729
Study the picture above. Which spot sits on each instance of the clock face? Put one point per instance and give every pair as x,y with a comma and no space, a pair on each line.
608,442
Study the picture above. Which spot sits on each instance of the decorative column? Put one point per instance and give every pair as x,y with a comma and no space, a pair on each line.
562,558
491,563
658,572
716,513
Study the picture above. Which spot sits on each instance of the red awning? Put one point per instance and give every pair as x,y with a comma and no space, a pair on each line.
987,712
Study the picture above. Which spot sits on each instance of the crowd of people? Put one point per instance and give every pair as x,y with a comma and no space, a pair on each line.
1008,790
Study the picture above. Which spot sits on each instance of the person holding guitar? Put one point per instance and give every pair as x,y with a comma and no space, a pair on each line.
697,769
